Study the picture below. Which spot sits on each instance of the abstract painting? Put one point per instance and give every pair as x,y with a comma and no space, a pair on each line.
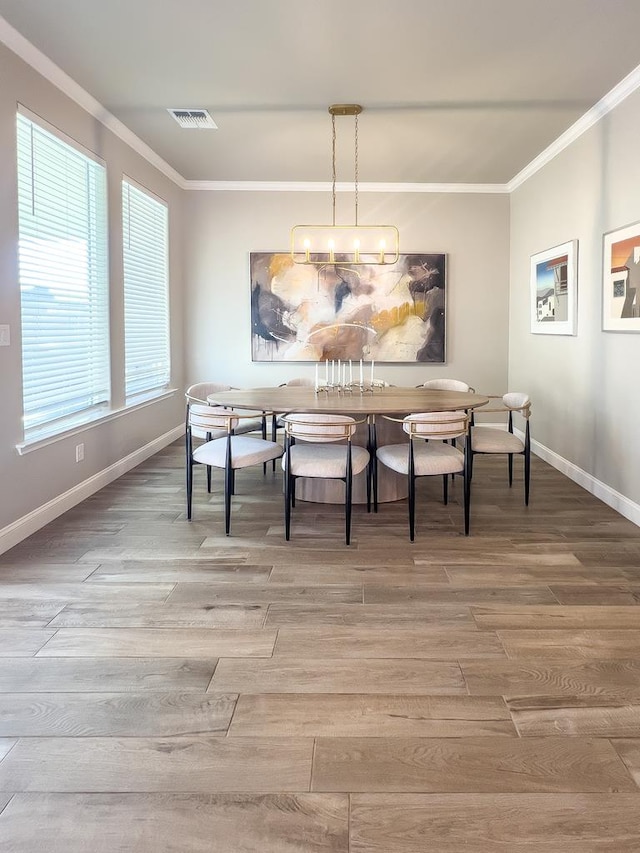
382,312
553,290
621,280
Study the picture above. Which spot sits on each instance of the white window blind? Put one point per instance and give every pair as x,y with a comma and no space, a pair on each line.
146,298
63,272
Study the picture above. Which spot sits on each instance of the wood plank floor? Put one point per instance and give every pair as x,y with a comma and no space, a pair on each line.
166,688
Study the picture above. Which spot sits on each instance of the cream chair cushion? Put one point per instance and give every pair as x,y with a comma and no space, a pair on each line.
429,459
300,381
245,451
446,385
201,390
515,400
329,460
492,440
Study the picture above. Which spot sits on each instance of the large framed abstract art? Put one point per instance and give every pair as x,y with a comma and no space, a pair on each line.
383,312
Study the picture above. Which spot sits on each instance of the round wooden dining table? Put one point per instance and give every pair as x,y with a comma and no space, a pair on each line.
393,401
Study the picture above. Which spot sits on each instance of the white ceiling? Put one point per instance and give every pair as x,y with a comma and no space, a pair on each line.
453,90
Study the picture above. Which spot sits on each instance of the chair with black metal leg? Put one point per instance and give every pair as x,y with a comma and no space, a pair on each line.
318,445
423,456
198,393
492,440
228,451
446,384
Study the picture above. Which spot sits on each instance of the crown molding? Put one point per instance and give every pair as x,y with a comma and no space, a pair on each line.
341,187
57,77
627,86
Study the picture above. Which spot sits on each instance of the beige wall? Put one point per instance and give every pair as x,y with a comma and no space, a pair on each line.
222,228
212,234
42,475
586,397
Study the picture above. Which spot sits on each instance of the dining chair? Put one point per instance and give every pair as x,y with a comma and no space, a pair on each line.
446,385
198,393
298,381
312,450
492,440
294,382
229,451
424,457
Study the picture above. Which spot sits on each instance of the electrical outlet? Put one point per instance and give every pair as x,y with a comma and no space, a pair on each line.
5,336
79,452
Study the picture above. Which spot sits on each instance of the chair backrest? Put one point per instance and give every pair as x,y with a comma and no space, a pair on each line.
211,418
201,390
320,428
446,385
517,401
442,425
299,380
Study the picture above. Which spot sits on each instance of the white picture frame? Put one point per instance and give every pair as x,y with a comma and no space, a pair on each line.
554,285
621,280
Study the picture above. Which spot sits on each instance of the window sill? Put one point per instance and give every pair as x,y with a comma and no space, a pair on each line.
44,438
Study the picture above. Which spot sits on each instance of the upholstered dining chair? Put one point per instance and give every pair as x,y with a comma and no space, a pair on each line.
294,382
318,445
449,385
298,381
492,440
446,385
198,393
422,457
228,452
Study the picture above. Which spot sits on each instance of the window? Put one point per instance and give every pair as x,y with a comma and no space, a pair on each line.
146,299
63,271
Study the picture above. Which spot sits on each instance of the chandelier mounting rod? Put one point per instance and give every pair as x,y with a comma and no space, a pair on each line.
343,110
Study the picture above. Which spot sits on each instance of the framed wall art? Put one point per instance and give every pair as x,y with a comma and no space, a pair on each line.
382,312
621,280
554,290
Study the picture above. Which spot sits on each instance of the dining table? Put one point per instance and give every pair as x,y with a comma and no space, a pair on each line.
362,403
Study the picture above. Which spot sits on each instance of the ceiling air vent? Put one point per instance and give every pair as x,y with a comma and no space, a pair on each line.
193,119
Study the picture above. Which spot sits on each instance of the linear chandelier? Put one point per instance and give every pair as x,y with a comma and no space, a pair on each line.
346,244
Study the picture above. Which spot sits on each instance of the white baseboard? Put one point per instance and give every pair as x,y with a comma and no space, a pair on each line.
600,490
28,524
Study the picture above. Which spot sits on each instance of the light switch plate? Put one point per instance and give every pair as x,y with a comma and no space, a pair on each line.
5,336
